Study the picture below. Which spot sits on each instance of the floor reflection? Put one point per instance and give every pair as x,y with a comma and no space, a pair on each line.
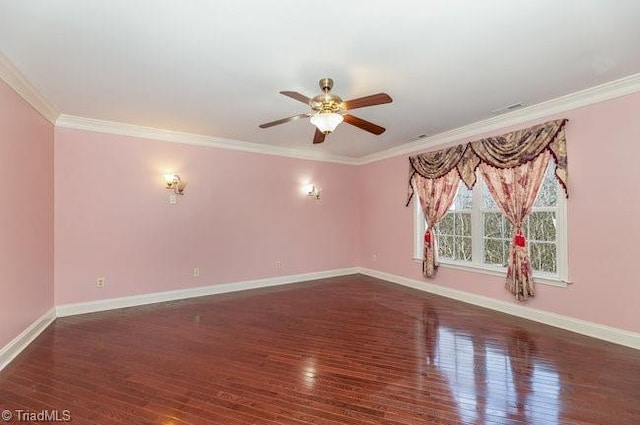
430,325
309,372
492,380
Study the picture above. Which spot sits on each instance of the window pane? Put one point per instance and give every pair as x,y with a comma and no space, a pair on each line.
458,227
506,245
508,228
464,198
446,225
487,200
541,227
493,225
445,246
543,256
463,248
463,224
493,251
548,194
466,224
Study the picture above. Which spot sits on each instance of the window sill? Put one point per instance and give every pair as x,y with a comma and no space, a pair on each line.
491,271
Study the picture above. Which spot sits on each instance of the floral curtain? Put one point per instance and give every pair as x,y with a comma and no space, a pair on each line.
505,151
510,164
436,196
515,190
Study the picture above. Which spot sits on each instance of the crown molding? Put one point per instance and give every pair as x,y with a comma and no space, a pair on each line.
112,127
600,93
14,78
610,90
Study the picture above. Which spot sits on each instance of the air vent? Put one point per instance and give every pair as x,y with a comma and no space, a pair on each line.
508,108
422,136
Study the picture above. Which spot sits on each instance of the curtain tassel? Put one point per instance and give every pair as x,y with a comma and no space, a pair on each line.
427,238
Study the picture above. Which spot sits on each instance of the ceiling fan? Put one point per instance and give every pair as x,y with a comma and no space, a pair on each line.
330,110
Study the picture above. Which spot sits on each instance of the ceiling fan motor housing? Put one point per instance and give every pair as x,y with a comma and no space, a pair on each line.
327,102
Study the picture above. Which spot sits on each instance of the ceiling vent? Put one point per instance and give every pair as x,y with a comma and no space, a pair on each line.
422,136
509,108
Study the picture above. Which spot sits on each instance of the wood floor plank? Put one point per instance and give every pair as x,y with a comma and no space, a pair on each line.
349,350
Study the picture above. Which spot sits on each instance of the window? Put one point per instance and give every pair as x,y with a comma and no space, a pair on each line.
475,233
453,234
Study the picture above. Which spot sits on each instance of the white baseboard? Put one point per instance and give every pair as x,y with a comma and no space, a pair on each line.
19,343
157,297
607,333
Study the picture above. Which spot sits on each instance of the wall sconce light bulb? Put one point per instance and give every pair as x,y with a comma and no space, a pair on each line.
308,188
174,183
311,190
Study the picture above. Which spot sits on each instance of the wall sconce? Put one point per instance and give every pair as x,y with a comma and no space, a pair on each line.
174,183
311,190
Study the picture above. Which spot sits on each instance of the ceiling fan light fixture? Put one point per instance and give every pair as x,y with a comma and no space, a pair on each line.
329,110
326,122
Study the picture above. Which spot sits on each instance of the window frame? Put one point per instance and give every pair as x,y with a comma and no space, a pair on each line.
560,278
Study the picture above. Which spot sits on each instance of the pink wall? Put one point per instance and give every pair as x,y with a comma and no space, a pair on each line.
26,215
603,212
242,212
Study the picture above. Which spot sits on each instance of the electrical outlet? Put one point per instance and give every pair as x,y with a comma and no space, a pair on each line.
278,264
100,281
173,199
374,257
196,272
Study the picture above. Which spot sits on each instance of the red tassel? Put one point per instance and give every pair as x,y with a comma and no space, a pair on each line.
427,238
519,240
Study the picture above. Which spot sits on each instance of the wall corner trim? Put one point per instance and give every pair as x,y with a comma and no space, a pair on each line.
201,291
18,82
26,337
594,330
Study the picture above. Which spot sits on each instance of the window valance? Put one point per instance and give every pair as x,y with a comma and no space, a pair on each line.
506,151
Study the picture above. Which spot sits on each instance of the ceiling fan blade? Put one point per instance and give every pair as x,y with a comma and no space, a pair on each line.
297,96
363,124
318,137
374,99
283,120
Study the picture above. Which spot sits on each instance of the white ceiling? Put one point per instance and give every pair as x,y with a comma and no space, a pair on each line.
215,67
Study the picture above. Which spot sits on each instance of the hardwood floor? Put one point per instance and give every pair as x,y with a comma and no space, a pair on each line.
347,350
